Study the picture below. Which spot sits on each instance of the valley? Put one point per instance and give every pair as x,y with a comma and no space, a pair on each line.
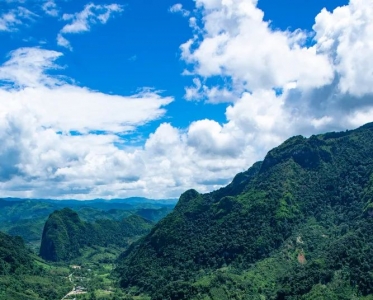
84,272
26,217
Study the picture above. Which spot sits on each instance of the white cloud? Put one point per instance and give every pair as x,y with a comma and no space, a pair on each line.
7,21
50,8
91,14
280,83
55,133
82,21
212,94
178,8
177,160
26,68
194,92
277,85
63,106
209,137
14,18
346,35
15,1
235,42
319,86
51,148
63,42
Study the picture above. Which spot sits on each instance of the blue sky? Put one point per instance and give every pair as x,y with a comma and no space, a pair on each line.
148,98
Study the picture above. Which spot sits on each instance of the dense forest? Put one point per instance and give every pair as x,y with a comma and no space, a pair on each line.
65,234
296,226
14,257
21,278
92,236
26,217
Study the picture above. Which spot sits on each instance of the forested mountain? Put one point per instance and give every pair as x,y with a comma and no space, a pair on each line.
296,226
65,234
20,276
154,214
16,209
14,257
26,217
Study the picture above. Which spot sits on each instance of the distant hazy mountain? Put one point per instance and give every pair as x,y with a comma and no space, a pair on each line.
26,217
74,203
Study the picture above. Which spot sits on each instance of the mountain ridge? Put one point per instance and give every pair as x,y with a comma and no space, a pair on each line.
304,189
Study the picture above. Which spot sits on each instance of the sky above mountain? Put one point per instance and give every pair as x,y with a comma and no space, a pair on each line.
150,98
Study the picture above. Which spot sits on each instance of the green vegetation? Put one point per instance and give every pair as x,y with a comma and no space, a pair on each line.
26,217
154,214
14,257
296,226
92,239
65,235
24,277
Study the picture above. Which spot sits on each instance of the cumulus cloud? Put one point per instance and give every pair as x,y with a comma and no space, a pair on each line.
345,35
279,83
60,140
82,21
282,82
177,159
276,84
55,133
235,42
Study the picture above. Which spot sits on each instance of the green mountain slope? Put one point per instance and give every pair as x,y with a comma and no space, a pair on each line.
65,234
26,217
296,226
153,214
14,257
22,278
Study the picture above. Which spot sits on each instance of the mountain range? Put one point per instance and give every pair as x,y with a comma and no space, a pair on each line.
296,226
26,217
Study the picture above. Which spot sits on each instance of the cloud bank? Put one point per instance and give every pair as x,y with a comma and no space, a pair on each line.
59,138
63,140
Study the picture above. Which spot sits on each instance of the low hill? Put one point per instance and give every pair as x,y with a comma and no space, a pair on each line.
65,234
296,226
